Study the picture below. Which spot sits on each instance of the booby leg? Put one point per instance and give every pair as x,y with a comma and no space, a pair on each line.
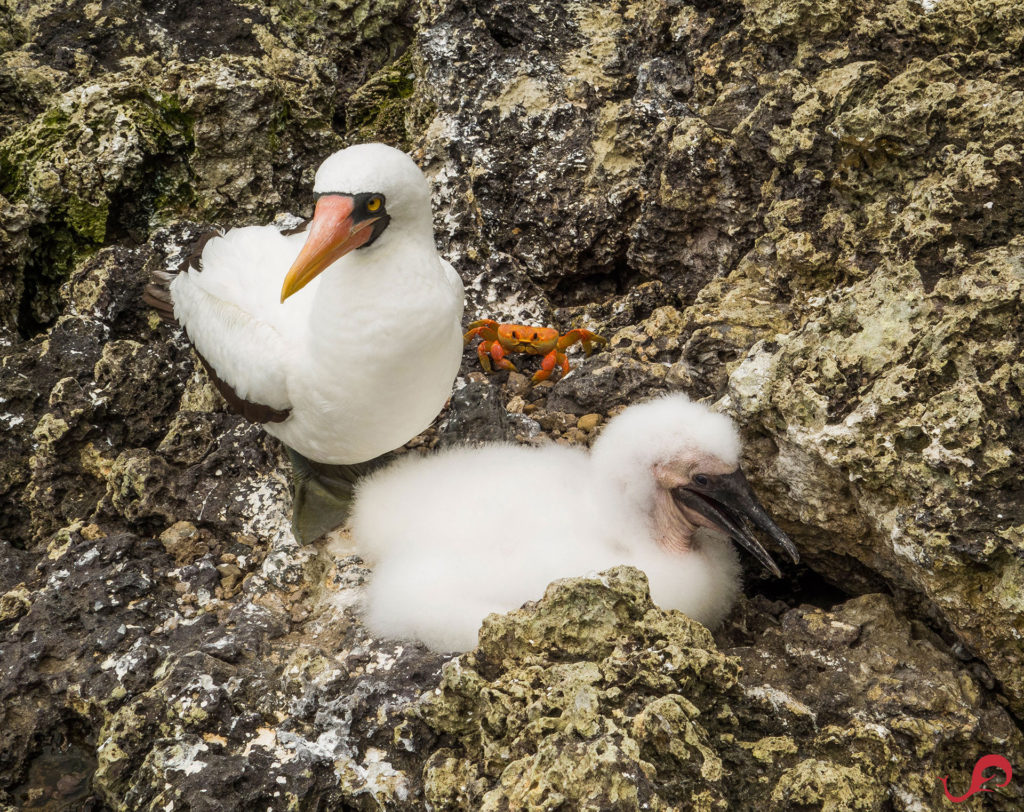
322,494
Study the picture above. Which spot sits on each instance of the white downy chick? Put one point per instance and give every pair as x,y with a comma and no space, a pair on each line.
661,490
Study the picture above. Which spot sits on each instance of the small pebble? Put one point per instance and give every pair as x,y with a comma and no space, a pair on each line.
588,422
229,571
516,405
517,383
555,421
576,437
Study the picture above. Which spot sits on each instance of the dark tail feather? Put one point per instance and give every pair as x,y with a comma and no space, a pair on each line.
158,295
158,292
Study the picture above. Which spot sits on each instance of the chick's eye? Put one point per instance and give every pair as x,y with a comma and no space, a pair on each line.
374,204
702,480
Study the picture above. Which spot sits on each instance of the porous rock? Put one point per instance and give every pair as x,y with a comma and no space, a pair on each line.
810,208
594,698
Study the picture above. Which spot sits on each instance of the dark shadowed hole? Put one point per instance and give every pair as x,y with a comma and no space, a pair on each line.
798,585
597,282
59,777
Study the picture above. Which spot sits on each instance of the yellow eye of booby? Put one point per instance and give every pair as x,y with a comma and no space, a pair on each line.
373,204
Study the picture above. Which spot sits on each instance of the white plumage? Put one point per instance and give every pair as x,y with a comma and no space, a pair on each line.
447,547
363,356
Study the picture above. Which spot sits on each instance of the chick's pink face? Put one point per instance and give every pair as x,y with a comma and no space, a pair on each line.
675,523
699,490
682,471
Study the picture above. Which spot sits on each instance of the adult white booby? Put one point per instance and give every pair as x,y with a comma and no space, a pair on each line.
661,490
341,337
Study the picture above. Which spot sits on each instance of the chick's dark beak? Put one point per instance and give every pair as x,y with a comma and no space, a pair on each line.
728,502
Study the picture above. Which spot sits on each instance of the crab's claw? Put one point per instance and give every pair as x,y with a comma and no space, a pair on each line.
486,329
547,366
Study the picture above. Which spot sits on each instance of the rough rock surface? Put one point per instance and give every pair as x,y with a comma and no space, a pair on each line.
594,698
809,209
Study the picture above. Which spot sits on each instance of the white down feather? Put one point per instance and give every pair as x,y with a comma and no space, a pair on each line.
465,532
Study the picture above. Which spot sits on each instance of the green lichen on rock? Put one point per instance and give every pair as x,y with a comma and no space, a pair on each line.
70,166
806,20
596,699
812,207
922,714
872,330
385,108
316,25
227,123
921,386
819,785
593,698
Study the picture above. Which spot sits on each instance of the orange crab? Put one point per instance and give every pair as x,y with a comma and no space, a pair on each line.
498,340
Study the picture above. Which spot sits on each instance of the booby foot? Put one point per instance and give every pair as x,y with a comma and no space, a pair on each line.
322,493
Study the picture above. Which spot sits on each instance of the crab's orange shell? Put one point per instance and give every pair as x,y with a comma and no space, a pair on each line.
530,340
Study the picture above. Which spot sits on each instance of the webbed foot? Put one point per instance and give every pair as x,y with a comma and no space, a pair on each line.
322,494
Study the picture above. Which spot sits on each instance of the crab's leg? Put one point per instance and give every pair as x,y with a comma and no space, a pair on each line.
584,337
498,356
547,366
483,353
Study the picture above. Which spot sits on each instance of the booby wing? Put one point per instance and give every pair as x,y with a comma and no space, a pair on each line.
227,297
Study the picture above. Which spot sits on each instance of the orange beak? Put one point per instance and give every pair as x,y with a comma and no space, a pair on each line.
332,234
